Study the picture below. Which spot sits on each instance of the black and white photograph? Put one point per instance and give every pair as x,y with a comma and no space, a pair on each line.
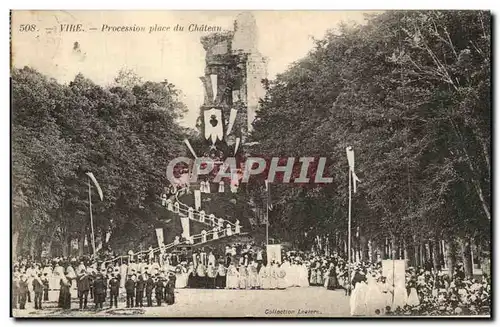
251,164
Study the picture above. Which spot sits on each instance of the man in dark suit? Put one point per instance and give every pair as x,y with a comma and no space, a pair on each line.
99,291
130,288
158,290
150,284
38,289
114,287
139,291
83,287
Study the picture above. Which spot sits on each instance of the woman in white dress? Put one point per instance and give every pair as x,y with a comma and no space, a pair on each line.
303,275
375,299
358,297
232,277
265,277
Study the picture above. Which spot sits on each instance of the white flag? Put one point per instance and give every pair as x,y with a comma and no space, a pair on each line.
213,125
159,236
185,227
197,199
213,79
232,119
350,159
99,191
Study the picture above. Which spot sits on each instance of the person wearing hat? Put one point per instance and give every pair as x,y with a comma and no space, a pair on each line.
130,288
114,288
158,289
169,292
83,286
23,291
38,290
139,290
150,284
100,291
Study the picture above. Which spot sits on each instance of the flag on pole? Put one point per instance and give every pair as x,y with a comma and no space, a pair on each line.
213,80
269,204
159,236
197,199
350,159
232,119
99,191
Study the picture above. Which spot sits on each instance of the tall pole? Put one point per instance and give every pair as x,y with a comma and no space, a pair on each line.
91,219
349,236
267,212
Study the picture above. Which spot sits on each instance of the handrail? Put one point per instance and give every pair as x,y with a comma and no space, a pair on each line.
185,210
196,212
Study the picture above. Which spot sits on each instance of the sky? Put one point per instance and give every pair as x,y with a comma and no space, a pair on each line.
178,56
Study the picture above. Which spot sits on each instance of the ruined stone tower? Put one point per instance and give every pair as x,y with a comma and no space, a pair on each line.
233,74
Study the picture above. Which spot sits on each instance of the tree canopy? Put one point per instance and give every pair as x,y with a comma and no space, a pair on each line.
410,91
124,134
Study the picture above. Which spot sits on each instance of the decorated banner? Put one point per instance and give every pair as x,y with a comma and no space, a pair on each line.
159,237
197,199
185,227
213,125
213,80
232,119
350,159
394,271
274,253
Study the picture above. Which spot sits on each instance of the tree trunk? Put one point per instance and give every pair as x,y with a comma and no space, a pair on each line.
362,248
81,239
15,239
466,256
33,241
450,256
435,256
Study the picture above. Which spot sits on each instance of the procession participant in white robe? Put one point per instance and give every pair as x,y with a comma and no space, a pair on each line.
386,290
265,277
312,279
233,251
358,296
58,273
211,275
232,279
303,275
237,228
80,268
400,295
229,231
220,224
155,268
211,258
274,276
243,277
201,275
282,274
413,299
375,299
253,276
220,280
286,267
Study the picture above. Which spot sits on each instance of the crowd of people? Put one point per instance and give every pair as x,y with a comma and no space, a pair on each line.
148,278
421,292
